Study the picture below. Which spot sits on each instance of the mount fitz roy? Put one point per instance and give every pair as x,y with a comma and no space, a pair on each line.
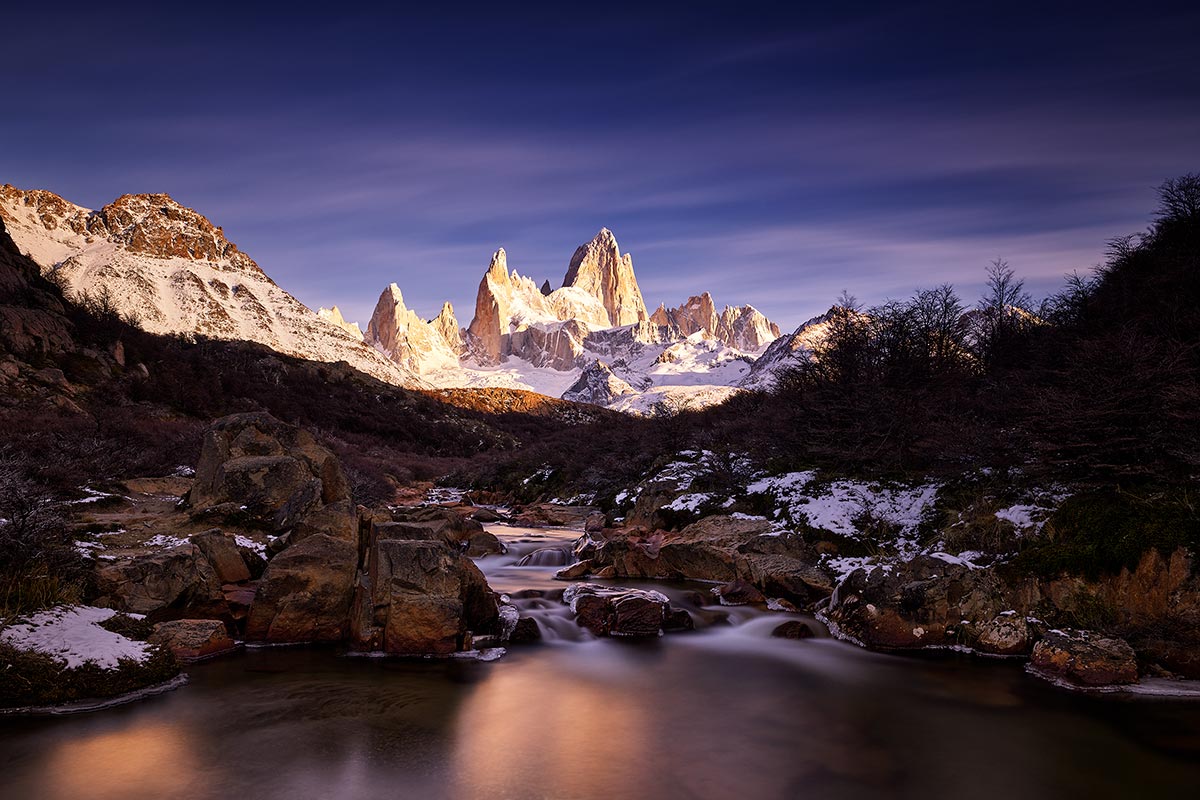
591,340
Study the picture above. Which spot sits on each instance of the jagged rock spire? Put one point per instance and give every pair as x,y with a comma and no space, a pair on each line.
600,270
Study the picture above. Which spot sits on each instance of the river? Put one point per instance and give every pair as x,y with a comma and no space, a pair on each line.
723,712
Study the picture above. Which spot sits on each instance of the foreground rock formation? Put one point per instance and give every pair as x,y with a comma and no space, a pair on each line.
397,582
716,548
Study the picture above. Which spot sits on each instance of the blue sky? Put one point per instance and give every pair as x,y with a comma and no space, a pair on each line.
772,154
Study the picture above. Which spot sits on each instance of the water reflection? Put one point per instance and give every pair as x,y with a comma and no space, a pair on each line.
724,712
156,758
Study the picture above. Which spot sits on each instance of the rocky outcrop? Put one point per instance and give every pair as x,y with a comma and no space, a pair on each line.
616,611
193,639
417,595
306,593
334,317
599,269
915,604
275,473
716,548
743,328
407,339
176,273
490,323
32,322
746,328
514,317
446,324
556,346
1085,659
178,580
598,386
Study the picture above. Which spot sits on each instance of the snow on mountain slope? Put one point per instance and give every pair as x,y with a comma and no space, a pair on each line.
525,336
175,272
786,353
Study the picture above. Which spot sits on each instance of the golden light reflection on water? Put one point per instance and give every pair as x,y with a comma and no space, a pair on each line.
145,761
512,733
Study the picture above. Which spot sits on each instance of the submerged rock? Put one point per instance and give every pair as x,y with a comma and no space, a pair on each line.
793,629
739,593
526,631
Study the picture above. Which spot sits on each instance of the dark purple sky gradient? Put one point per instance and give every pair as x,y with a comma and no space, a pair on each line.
770,153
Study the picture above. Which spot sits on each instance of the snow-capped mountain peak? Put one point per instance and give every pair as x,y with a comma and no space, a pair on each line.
171,269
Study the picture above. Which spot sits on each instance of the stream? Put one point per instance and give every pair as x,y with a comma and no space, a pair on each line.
726,711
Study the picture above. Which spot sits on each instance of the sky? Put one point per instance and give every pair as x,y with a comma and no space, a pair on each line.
770,153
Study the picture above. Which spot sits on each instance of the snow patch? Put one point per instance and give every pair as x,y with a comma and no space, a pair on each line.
73,635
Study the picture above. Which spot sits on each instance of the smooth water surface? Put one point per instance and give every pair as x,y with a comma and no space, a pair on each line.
725,712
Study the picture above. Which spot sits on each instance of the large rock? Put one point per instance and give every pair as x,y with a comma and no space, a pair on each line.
919,603
1009,634
193,639
720,548
274,472
306,593
417,595
616,611
1084,659
223,554
457,529
179,581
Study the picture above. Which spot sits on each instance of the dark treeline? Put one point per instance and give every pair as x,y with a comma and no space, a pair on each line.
1094,385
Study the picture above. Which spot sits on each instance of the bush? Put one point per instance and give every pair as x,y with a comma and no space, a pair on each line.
36,679
39,565
1097,533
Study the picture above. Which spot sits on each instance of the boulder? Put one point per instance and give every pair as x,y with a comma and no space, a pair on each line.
306,593
193,639
738,593
792,629
616,611
339,520
485,515
580,569
274,472
164,584
525,632
915,604
1008,634
720,548
419,596
222,552
678,620
1084,659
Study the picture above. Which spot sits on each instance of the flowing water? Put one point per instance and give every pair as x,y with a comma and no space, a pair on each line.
724,712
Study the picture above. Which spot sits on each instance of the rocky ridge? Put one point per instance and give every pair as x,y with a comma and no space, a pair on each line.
174,272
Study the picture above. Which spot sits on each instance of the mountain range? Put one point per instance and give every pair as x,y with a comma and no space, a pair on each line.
590,340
